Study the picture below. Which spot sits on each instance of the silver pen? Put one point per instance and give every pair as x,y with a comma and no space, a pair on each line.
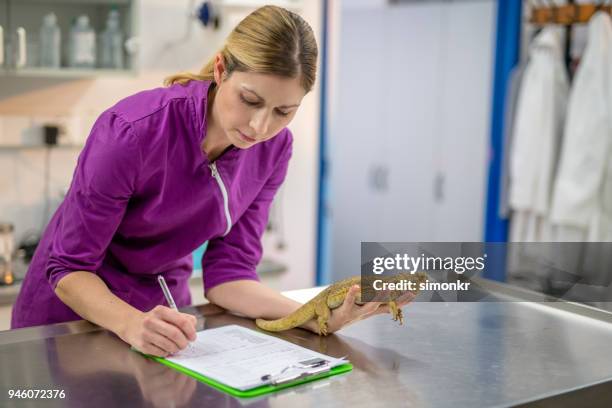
167,294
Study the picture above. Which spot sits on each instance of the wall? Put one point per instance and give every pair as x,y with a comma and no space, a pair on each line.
26,103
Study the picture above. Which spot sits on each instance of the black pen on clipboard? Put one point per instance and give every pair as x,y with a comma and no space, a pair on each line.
316,366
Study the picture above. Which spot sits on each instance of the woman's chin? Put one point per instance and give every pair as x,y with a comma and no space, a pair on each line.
238,141
241,144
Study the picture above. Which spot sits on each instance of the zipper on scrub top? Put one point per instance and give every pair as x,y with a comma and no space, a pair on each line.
217,176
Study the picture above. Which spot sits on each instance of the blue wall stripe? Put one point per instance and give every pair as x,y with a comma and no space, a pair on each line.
322,244
506,57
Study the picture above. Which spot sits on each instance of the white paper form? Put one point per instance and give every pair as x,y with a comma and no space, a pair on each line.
239,357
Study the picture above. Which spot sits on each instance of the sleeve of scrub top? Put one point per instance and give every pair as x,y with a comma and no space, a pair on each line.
236,255
102,184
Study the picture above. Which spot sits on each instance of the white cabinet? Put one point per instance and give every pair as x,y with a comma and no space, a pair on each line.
356,138
409,136
412,54
21,21
464,111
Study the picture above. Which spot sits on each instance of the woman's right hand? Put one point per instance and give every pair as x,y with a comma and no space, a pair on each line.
160,332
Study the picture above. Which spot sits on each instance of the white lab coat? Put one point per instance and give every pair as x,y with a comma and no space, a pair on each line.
536,138
582,199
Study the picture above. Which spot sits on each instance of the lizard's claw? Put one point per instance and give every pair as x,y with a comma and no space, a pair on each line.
322,326
399,316
396,312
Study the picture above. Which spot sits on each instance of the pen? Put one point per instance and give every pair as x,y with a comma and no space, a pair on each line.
167,294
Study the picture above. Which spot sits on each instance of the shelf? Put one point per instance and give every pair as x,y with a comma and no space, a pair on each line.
69,72
266,268
293,5
8,293
78,2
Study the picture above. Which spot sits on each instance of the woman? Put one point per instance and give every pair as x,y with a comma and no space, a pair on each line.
164,171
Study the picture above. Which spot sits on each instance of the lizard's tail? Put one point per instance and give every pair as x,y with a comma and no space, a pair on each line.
295,319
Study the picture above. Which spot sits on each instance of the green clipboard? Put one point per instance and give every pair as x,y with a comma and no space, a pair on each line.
254,392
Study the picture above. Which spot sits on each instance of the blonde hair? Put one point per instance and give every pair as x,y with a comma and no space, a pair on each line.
270,40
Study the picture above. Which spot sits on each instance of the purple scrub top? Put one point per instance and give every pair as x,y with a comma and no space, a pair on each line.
144,196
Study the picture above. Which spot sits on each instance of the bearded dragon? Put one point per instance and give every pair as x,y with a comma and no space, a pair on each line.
333,296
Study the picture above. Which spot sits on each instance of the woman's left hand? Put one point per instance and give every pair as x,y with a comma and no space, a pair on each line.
349,312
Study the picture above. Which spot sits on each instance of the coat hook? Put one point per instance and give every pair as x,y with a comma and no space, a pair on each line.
551,5
554,11
576,16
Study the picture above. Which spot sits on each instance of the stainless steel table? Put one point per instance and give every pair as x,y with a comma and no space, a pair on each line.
478,354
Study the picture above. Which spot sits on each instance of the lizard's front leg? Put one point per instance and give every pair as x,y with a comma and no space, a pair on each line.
322,312
396,312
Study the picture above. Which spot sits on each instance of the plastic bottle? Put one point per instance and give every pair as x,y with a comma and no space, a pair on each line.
82,44
111,44
50,40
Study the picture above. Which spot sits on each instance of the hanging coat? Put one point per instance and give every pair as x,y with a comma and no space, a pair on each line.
537,130
582,200
512,94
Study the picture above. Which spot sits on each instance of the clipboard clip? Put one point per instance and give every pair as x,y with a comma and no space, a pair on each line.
306,368
284,379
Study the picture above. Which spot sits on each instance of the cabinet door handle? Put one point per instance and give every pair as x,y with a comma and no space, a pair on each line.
379,176
21,48
439,187
1,46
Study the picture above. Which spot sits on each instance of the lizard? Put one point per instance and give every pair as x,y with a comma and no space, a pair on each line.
333,296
